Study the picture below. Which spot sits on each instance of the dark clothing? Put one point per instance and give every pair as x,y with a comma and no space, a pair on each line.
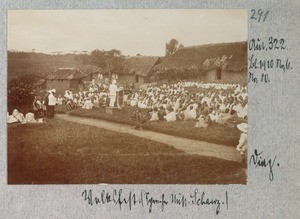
50,111
232,121
161,113
46,106
137,116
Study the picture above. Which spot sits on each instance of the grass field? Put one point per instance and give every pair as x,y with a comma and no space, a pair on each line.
218,134
63,152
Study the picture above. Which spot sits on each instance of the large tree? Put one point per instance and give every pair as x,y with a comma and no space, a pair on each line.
110,61
172,46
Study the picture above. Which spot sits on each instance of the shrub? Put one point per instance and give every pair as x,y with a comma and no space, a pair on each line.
19,94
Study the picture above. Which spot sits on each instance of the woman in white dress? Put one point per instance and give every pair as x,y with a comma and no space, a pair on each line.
15,117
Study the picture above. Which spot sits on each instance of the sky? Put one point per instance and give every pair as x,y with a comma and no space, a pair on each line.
135,31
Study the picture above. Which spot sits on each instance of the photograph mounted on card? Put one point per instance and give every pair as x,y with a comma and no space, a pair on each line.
127,96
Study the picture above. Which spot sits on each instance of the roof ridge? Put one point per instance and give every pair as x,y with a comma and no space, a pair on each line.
211,44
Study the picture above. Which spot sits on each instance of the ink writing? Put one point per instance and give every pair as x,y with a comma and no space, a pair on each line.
146,200
257,160
259,15
259,48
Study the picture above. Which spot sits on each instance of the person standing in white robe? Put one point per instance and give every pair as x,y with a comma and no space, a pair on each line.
113,93
51,103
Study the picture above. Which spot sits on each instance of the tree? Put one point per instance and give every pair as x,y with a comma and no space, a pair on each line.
83,59
172,47
111,61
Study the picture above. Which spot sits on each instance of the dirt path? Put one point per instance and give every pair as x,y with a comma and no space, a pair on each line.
187,145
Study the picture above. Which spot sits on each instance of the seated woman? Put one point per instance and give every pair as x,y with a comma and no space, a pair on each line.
133,102
37,105
233,120
203,120
171,117
214,115
29,118
75,103
190,113
161,113
223,117
96,101
15,117
154,115
88,104
244,111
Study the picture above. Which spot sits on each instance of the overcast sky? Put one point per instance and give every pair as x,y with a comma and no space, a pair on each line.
131,31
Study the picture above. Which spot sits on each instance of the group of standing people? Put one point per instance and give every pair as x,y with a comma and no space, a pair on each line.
41,108
45,107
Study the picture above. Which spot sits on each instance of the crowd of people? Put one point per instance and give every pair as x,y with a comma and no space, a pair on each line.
41,108
205,103
220,103
225,104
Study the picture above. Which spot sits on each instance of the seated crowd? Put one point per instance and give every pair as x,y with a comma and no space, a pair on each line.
220,103
204,103
225,104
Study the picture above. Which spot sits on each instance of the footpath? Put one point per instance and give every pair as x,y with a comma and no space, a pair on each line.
189,146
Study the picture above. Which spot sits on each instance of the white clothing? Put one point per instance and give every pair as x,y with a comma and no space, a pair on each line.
11,119
88,104
59,101
112,94
113,89
242,146
171,117
154,116
15,117
112,100
52,100
29,118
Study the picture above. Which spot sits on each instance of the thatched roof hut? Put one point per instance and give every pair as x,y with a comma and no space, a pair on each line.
66,74
196,61
64,79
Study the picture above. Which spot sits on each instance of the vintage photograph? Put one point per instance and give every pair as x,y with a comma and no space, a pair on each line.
127,96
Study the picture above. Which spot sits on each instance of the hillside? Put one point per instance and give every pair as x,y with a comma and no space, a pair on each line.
33,66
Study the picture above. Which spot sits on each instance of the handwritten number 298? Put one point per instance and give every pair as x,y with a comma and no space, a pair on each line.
259,15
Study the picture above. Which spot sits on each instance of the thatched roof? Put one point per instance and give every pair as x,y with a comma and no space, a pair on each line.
139,65
229,56
66,74
40,82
